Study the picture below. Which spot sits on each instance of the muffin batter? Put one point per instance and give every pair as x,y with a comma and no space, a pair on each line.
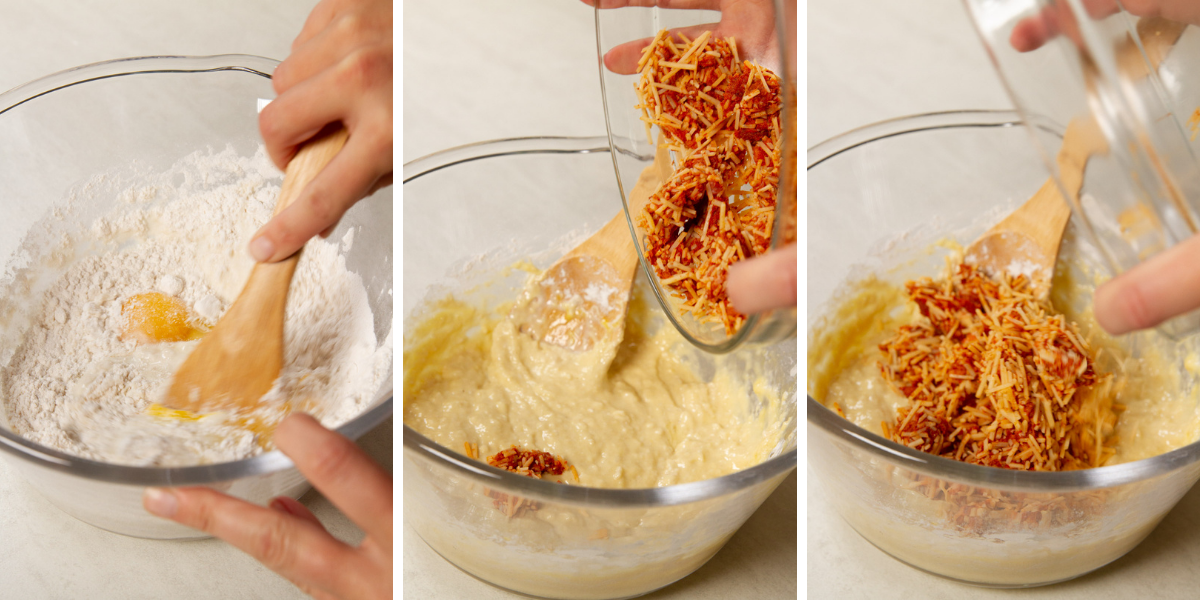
630,415
103,310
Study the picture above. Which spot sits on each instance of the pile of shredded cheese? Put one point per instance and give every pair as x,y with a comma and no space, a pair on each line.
721,118
994,378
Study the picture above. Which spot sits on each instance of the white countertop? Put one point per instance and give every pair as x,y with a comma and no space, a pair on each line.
870,60
43,552
530,67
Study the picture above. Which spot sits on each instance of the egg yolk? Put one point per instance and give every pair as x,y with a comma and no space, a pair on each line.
154,317
263,429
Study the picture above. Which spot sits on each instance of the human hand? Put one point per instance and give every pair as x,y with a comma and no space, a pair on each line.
763,282
750,22
289,539
1165,286
340,70
1033,32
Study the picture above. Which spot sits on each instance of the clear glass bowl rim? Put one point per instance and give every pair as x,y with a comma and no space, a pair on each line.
547,490
885,449
43,456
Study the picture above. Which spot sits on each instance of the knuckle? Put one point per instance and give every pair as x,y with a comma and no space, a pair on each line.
272,545
332,458
350,25
365,68
197,507
322,207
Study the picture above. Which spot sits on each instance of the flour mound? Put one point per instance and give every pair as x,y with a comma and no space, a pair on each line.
69,381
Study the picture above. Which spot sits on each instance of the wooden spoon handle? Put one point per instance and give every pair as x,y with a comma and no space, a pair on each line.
268,282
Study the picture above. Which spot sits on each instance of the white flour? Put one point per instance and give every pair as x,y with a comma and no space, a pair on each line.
71,383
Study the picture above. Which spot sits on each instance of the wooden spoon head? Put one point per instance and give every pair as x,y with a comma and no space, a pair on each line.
580,301
577,303
1013,252
237,362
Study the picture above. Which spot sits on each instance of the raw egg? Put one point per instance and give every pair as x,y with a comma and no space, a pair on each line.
155,317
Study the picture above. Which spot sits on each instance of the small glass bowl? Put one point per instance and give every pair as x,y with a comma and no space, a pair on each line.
58,132
633,152
1140,86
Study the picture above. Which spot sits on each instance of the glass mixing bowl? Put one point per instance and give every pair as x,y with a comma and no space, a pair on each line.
634,152
894,189
469,213
57,133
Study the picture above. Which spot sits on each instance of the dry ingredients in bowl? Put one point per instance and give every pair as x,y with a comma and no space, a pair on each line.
720,116
101,311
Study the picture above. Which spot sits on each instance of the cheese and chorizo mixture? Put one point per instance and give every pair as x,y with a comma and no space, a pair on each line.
994,377
721,118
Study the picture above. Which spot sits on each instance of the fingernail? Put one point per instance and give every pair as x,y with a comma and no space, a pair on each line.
160,502
262,249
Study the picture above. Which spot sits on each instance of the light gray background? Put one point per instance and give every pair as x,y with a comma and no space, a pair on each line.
477,70
43,552
870,60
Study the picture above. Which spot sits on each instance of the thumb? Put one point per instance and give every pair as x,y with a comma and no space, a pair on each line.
764,282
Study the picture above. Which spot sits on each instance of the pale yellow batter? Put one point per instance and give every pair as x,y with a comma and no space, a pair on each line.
632,415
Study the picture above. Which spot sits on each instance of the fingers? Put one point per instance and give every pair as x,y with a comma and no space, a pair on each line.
298,115
764,282
338,38
362,104
1165,286
342,472
623,59
297,548
351,175
1032,33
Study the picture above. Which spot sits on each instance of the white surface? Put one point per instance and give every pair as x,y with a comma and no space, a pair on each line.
45,553
871,60
481,70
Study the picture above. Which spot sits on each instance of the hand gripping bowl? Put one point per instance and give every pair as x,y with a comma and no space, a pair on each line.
470,212
900,185
634,152
58,132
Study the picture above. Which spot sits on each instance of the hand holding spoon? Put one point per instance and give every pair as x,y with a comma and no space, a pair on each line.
240,359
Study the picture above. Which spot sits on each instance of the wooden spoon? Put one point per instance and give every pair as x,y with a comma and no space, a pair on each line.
1028,239
582,298
240,359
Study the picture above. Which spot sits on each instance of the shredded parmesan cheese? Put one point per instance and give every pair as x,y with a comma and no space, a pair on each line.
530,463
720,117
995,378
